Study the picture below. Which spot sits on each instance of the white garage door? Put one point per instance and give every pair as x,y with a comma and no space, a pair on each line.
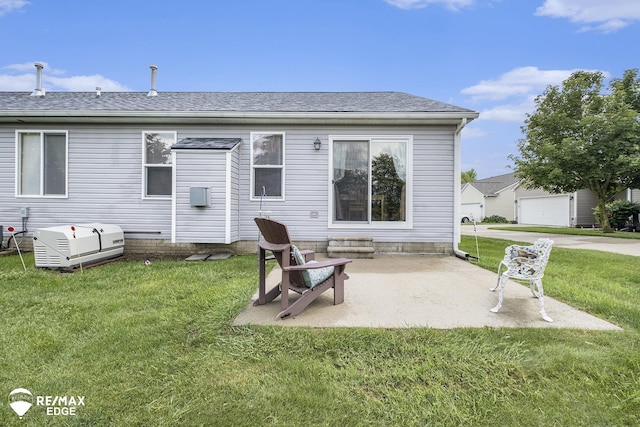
548,210
471,211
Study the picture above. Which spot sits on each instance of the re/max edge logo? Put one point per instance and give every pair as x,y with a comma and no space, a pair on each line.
21,400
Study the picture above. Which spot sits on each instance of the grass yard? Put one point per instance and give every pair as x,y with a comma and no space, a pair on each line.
154,346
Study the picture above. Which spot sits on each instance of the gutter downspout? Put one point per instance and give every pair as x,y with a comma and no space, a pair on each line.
457,170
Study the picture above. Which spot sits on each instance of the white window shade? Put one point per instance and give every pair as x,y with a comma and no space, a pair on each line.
29,164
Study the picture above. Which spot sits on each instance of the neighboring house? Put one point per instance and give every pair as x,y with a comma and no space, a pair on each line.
488,197
184,172
537,207
505,195
630,195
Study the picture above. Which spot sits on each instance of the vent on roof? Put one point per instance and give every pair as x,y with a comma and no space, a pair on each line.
38,91
153,91
98,91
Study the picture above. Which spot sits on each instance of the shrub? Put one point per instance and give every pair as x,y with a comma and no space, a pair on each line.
619,213
496,219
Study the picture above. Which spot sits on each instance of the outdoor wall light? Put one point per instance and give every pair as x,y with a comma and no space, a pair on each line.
317,144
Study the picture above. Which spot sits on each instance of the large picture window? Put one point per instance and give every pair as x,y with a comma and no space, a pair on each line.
267,165
157,168
42,163
371,180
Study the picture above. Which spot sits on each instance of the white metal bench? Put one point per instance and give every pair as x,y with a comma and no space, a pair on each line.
526,263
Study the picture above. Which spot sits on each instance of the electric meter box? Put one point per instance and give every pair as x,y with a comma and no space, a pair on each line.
199,197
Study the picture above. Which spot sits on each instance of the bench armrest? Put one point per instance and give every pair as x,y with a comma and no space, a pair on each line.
321,264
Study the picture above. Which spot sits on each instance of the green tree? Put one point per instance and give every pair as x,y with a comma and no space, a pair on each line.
581,137
469,176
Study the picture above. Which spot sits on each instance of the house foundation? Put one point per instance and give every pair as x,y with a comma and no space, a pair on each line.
138,248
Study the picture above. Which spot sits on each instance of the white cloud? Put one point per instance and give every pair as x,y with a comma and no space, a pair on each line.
515,91
84,83
30,66
22,77
514,112
606,16
7,6
454,5
21,83
517,82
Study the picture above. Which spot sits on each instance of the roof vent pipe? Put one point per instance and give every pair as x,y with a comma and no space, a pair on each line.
153,91
38,91
98,91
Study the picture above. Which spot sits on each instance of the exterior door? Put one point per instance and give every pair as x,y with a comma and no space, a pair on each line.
351,181
369,181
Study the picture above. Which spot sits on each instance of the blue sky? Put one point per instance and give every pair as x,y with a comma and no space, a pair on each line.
493,56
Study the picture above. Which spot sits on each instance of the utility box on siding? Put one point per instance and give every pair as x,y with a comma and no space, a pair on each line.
205,202
199,197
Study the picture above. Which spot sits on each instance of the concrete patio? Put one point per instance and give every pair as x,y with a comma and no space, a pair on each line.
441,292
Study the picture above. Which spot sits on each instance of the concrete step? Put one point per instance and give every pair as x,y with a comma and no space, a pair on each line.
353,252
350,241
350,247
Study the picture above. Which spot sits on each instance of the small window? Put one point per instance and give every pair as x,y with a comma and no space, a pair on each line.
157,168
42,163
267,165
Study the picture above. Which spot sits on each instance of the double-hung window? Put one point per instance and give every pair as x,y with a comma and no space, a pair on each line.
267,165
371,181
156,164
41,163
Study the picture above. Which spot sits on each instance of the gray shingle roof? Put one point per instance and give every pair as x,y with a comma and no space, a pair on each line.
491,186
334,102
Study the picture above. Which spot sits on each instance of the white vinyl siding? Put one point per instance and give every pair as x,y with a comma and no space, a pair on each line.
203,169
104,182
233,195
308,185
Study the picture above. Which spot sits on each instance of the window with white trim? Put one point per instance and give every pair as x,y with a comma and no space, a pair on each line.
156,164
267,165
371,180
41,163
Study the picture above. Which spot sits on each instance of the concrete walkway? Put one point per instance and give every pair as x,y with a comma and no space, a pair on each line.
607,244
423,291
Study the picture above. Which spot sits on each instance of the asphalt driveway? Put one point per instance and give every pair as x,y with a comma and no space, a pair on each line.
607,244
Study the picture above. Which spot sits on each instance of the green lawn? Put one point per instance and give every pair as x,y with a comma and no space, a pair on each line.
154,346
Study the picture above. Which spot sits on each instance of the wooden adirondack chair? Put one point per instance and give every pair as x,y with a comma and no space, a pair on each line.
300,273
526,263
